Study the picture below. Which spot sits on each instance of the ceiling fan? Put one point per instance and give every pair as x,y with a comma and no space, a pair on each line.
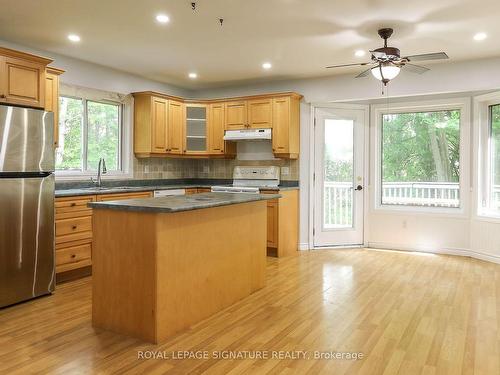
387,62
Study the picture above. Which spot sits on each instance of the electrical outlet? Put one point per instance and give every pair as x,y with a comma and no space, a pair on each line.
285,171
146,168
206,169
405,224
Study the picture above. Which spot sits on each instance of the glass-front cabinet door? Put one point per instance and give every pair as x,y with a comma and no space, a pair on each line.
196,129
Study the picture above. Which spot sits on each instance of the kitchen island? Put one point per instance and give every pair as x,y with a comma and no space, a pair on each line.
163,264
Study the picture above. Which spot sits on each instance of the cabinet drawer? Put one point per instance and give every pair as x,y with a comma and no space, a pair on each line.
67,208
73,225
73,254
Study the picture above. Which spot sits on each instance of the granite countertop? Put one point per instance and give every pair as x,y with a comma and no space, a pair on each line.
181,203
69,191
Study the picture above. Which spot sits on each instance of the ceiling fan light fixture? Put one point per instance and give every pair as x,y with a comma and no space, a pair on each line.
385,71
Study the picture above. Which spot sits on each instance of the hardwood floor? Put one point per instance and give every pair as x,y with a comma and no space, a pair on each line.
408,313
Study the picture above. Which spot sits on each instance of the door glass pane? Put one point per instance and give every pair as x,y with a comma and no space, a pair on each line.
421,159
69,152
103,135
495,157
338,172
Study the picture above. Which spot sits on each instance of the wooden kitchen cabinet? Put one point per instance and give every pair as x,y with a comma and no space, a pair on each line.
73,236
216,128
73,240
260,113
286,127
162,126
175,127
159,125
22,78
52,97
272,223
236,115
283,223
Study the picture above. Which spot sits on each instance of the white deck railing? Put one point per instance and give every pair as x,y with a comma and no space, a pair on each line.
338,198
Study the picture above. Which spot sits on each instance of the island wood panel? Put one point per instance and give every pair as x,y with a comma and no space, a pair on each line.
152,277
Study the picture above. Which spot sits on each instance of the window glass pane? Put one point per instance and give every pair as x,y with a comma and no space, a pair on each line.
339,163
420,159
103,135
69,151
495,157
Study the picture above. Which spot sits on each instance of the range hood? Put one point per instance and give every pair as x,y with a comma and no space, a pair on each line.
247,134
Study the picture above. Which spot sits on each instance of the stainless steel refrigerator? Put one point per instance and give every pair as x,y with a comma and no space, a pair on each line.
26,204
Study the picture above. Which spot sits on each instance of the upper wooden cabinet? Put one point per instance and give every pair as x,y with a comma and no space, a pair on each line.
52,97
166,125
236,115
244,114
159,114
22,78
286,127
260,113
158,125
216,122
175,127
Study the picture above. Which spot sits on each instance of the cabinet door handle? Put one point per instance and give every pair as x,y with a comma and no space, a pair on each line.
74,227
73,204
2,96
73,256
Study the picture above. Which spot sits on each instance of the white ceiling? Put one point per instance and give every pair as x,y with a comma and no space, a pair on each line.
299,37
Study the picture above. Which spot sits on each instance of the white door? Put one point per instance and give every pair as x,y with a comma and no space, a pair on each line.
338,176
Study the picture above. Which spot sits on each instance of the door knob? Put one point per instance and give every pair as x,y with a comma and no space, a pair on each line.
359,188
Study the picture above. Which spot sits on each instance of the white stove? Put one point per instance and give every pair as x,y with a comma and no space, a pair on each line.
251,179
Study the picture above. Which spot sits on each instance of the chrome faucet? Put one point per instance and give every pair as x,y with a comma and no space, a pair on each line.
100,172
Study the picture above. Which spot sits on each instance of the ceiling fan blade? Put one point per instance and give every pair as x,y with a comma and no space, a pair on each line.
378,55
428,56
364,73
345,65
415,68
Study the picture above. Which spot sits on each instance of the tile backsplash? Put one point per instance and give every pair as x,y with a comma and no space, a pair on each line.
170,168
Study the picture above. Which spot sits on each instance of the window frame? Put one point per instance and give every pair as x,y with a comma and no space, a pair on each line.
85,173
377,112
482,132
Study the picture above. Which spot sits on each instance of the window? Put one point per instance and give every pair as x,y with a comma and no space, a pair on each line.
493,202
88,130
420,160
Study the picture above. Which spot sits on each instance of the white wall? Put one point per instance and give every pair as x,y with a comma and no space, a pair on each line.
465,235
86,74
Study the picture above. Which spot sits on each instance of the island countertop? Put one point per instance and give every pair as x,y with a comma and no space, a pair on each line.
181,203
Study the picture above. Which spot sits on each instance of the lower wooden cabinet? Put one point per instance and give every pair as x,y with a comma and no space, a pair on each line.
74,231
283,223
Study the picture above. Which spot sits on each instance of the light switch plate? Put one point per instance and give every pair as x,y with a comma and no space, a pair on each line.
285,171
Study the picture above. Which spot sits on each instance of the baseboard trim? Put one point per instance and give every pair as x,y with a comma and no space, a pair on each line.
445,251
303,246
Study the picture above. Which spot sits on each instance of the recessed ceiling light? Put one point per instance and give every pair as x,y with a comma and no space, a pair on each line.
162,18
480,36
359,53
74,37
193,75
267,65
